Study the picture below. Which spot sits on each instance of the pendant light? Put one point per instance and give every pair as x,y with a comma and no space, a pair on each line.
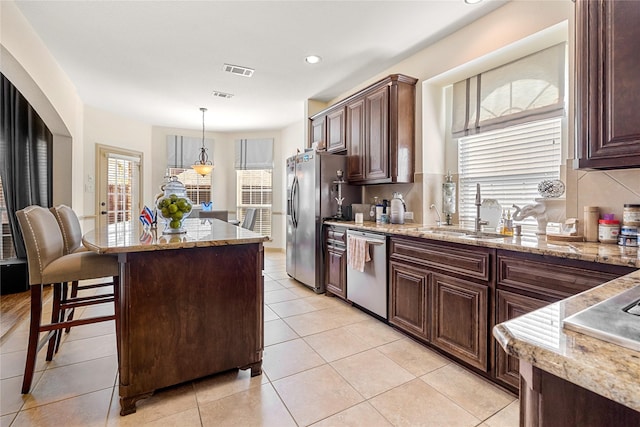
203,165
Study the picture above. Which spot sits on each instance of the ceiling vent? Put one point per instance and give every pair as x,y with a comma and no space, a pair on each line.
222,94
238,70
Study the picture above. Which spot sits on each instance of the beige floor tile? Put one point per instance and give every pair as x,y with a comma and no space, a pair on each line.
11,400
413,357
225,384
507,417
82,350
272,285
316,394
477,396
6,420
269,314
278,296
363,414
288,358
277,331
418,404
374,332
87,410
293,307
91,331
189,418
303,292
371,372
278,275
324,320
12,364
336,344
17,340
320,302
73,380
258,406
164,404
288,282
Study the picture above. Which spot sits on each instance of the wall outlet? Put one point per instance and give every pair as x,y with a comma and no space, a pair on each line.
408,215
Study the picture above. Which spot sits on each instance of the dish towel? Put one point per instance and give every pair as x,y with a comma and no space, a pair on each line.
357,253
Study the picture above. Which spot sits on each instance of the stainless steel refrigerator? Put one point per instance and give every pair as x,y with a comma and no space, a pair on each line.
311,194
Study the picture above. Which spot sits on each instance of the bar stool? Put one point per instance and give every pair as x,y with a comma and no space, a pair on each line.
69,224
49,266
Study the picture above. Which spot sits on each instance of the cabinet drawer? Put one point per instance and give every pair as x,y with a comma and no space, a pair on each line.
552,280
469,261
336,236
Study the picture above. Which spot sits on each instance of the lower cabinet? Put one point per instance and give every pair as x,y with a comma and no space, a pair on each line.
335,266
409,299
460,319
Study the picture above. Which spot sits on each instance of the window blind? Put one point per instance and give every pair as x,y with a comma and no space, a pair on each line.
508,164
123,174
528,89
184,151
255,190
254,154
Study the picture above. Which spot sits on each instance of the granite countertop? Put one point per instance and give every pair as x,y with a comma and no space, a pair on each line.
608,369
593,252
132,237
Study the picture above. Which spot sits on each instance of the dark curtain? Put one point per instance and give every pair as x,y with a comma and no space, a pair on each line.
26,146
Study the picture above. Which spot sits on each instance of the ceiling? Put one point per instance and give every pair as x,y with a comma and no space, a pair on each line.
158,62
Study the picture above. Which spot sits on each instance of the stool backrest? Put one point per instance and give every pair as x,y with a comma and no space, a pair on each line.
42,239
69,226
249,219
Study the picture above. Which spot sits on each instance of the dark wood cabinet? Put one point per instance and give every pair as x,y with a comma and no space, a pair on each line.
527,282
335,273
336,131
380,133
409,299
510,305
607,84
460,319
440,293
317,132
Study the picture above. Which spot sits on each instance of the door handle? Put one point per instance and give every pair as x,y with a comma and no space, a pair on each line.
103,212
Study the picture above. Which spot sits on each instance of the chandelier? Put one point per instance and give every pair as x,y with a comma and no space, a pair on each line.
203,165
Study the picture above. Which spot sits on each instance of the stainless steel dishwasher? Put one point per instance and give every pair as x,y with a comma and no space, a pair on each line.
369,288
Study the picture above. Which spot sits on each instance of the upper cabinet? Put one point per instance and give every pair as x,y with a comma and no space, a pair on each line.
607,84
376,128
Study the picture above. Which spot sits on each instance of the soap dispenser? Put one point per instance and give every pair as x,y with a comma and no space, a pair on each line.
448,198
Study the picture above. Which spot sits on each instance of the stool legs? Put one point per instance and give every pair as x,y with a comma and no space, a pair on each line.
34,333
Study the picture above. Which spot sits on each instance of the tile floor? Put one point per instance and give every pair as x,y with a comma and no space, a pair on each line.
325,364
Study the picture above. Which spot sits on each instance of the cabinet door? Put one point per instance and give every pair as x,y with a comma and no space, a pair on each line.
460,319
376,143
355,141
608,87
316,131
336,131
510,306
408,299
336,271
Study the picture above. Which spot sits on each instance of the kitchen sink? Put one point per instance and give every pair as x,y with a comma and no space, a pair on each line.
460,233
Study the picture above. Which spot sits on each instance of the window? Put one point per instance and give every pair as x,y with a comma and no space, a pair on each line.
509,122
508,164
6,244
198,187
255,191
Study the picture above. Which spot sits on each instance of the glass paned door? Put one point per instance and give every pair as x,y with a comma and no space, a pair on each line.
120,189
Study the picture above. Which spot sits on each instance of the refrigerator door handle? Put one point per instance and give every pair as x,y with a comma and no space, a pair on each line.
294,202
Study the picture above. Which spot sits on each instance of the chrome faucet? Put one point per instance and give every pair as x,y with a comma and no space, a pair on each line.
433,206
479,222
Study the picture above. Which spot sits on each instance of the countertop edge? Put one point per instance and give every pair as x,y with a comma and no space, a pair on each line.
582,251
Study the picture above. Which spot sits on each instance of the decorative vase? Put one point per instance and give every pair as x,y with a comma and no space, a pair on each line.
551,188
174,207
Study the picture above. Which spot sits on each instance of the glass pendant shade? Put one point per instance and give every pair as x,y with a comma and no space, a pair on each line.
203,166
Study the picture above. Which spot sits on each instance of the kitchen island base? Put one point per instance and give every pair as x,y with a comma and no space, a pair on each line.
188,313
547,400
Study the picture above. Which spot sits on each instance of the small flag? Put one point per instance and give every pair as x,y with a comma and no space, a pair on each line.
147,217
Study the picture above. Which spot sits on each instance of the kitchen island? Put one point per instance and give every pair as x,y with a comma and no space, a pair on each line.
569,378
191,304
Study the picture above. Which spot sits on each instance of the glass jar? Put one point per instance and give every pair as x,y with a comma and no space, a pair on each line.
174,207
608,230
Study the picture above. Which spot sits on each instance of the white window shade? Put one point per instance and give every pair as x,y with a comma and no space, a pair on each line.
530,88
254,154
184,151
508,164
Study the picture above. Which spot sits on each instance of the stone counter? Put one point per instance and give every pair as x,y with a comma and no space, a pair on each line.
539,339
132,237
593,252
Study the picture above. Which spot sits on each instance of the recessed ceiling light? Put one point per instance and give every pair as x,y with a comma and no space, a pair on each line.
472,1
313,59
